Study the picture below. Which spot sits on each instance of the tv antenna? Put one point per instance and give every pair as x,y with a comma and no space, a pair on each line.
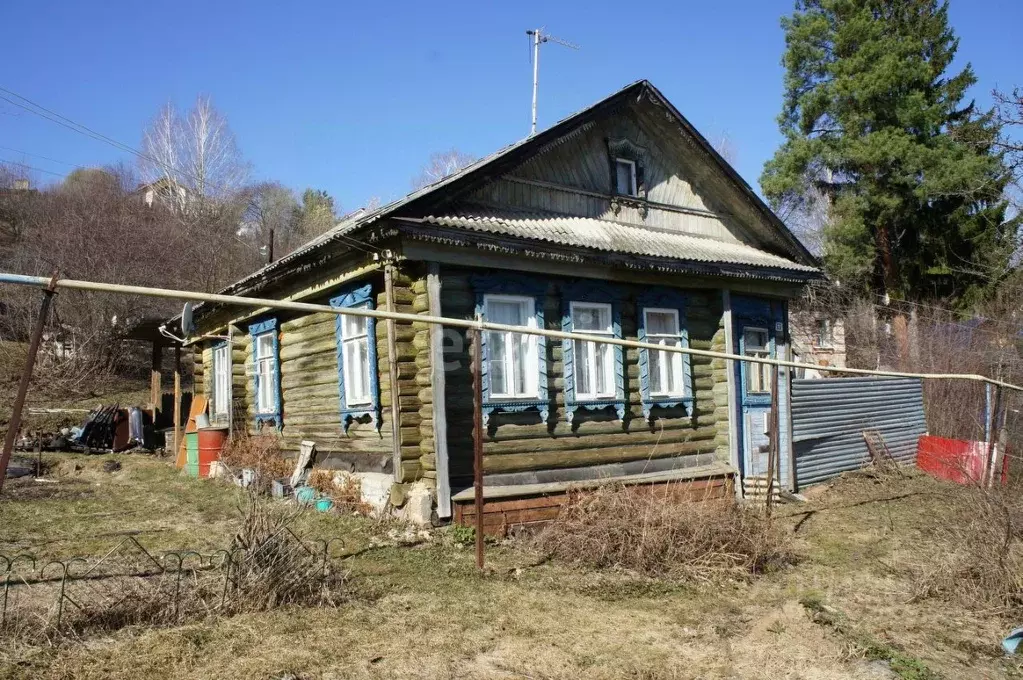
538,36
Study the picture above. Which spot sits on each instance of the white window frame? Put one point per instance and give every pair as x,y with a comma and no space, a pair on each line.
632,189
267,379
222,379
348,368
763,370
511,340
591,367
671,362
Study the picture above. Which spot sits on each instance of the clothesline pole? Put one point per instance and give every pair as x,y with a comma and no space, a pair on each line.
26,377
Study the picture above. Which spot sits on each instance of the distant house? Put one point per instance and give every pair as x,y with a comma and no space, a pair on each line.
164,190
818,338
619,221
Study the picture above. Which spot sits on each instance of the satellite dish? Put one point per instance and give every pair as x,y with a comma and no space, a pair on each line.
187,326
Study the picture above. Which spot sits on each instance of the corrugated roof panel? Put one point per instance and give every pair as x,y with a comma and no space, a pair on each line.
609,236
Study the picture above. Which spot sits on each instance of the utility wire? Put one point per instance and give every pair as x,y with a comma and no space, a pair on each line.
32,167
45,158
70,124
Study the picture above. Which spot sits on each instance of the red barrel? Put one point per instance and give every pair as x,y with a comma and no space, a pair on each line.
211,442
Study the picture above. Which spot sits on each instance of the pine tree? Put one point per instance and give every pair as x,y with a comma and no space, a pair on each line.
912,177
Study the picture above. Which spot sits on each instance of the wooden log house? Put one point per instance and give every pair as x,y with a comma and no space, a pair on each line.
620,220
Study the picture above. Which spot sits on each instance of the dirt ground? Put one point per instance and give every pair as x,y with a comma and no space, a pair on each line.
846,609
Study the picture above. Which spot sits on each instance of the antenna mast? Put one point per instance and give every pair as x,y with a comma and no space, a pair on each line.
538,37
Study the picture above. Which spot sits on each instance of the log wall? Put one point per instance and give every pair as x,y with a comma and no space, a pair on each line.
521,442
515,442
309,387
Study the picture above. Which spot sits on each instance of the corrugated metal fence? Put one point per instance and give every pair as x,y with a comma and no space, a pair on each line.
830,415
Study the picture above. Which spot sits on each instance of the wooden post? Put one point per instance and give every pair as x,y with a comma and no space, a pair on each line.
437,383
1000,452
177,399
989,464
392,359
477,440
26,377
155,391
773,441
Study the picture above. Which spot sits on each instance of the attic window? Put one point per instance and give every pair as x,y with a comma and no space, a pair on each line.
625,174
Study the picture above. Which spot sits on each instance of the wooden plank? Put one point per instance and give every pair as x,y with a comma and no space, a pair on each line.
177,398
392,353
437,380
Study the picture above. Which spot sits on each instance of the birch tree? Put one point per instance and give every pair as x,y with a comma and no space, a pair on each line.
195,157
440,165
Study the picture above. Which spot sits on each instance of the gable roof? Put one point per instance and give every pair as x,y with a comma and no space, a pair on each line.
479,172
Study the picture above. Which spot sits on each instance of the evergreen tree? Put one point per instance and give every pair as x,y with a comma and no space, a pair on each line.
911,174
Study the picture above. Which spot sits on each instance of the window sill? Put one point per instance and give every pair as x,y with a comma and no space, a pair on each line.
667,402
595,404
360,411
514,405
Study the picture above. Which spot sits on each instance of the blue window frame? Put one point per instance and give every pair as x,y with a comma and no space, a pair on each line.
594,372
267,373
358,383
665,380
514,366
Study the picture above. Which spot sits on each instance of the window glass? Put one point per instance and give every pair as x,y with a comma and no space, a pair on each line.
825,335
756,344
355,357
266,370
594,361
512,357
626,176
221,381
666,375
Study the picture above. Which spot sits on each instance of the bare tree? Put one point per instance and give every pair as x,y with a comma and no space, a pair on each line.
724,145
440,165
1009,113
808,218
195,158
271,219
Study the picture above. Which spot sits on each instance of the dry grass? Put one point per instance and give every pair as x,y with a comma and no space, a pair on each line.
426,612
267,566
661,535
980,546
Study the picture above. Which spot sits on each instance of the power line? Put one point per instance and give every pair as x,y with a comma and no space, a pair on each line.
32,167
64,121
60,119
54,117
45,158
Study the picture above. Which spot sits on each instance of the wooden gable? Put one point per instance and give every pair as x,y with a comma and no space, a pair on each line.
682,188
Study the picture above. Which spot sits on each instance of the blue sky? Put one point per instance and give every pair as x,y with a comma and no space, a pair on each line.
354,97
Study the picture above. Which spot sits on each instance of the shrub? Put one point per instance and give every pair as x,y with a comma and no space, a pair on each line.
261,453
658,533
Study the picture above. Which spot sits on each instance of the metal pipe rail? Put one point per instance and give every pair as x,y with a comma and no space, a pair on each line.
72,284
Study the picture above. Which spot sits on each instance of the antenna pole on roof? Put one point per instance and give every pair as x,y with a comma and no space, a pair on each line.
538,37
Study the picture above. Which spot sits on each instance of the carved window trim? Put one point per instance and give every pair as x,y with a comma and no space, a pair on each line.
268,327
592,291
520,286
627,150
657,298
360,296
